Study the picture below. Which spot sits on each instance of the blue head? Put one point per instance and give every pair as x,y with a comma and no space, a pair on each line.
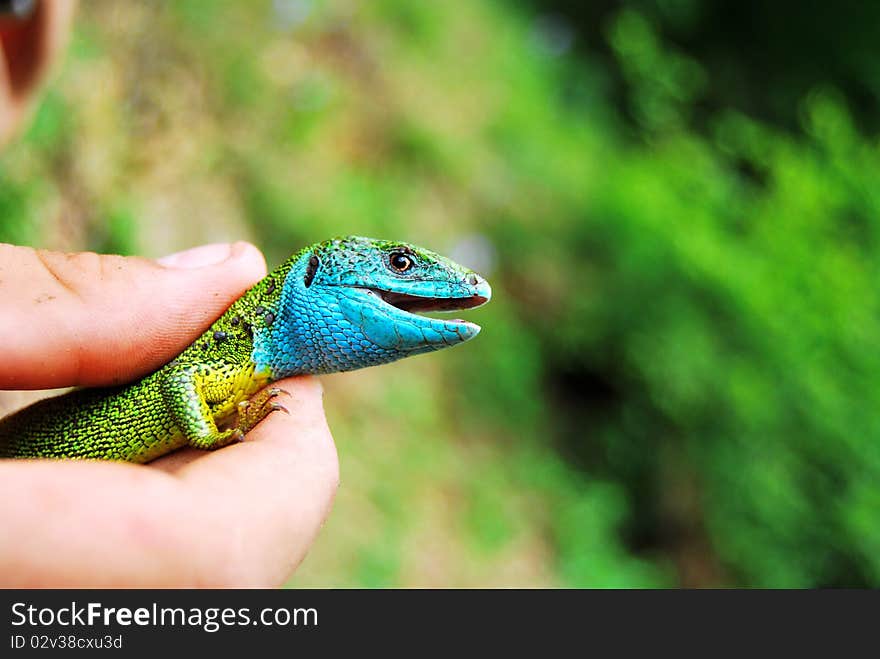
353,302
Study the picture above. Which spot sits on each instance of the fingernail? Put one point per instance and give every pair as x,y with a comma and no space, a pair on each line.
198,257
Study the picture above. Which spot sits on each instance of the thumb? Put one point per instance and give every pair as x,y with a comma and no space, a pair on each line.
90,319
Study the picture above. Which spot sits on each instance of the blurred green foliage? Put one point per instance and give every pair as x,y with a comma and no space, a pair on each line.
677,378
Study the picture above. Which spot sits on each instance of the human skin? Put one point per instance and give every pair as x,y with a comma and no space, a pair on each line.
28,49
244,515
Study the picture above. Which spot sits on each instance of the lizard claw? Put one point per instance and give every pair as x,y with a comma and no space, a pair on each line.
251,412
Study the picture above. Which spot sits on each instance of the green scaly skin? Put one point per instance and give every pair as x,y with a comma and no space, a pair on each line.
335,306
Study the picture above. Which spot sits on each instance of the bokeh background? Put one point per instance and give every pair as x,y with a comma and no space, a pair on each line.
677,204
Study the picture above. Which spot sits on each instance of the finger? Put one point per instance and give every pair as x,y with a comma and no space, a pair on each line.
269,495
28,47
93,524
244,515
89,319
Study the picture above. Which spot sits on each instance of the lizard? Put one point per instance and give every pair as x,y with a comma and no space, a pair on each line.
337,305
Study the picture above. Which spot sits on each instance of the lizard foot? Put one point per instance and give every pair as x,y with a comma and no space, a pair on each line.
251,412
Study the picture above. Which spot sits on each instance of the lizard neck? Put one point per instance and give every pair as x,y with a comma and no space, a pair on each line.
309,334
281,347
316,329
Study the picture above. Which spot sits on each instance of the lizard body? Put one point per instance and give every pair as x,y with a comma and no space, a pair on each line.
335,306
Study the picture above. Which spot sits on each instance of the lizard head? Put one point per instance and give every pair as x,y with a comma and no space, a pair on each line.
354,302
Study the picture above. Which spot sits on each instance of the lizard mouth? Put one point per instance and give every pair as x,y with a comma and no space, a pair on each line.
422,304
392,322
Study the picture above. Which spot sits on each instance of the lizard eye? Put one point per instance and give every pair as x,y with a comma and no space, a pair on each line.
400,262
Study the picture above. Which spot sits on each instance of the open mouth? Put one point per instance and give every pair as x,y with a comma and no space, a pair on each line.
420,304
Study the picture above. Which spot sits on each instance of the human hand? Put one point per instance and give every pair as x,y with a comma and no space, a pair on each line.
29,46
244,515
